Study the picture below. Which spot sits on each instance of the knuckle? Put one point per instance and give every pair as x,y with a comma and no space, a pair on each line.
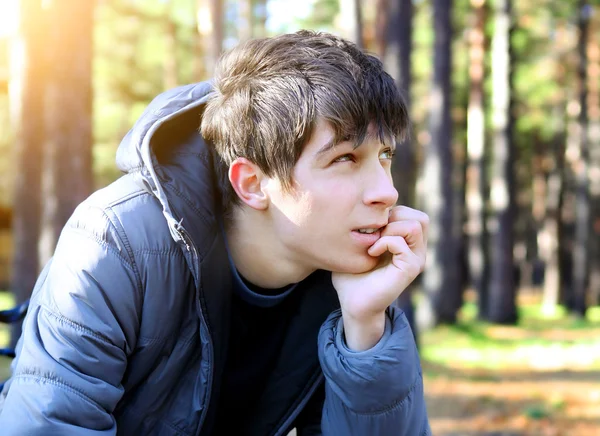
414,228
398,210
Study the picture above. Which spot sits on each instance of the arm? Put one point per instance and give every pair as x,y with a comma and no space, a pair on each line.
375,392
378,391
78,332
367,350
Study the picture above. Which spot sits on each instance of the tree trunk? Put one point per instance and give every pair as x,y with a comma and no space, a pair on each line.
394,41
68,161
171,64
357,29
440,279
594,139
210,25
476,167
549,239
582,196
394,18
26,100
198,67
536,214
502,288
260,14
566,227
245,20
381,28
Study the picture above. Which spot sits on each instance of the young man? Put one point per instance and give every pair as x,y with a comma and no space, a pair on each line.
240,280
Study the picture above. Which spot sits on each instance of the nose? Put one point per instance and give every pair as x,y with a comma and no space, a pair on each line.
379,189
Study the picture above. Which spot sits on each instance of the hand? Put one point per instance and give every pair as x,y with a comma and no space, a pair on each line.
364,297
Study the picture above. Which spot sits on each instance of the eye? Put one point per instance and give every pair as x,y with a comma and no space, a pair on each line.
345,158
388,153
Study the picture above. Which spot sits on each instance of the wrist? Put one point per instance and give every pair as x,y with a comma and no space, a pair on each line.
364,332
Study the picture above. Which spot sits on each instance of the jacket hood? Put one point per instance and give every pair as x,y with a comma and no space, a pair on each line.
158,150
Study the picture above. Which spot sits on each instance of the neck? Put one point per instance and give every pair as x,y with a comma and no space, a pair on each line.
257,252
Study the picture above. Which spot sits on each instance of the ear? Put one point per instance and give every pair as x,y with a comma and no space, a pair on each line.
247,181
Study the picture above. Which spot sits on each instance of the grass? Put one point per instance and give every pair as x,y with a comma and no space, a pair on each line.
7,301
538,341
539,377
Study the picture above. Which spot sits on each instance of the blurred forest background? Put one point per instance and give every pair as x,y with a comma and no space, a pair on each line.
504,156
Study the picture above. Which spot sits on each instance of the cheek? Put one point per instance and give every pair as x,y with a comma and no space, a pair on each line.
300,209
338,199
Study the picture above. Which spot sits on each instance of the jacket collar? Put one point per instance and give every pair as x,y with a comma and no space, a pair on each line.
173,162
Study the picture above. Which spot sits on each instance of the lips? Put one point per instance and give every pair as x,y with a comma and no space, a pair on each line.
371,228
366,239
367,231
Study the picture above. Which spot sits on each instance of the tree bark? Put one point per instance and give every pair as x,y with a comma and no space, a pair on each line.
476,188
245,20
566,228
260,13
549,238
441,278
581,259
26,99
394,41
358,23
171,63
502,288
535,213
594,141
210,26
68,176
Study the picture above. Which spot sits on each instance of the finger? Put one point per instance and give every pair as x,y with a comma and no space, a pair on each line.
392,244
397,246
401,213
411,231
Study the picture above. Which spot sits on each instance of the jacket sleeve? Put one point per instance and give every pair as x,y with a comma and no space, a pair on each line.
80,327
379,391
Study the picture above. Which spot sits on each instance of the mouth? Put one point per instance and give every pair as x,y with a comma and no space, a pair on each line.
368,231
367,235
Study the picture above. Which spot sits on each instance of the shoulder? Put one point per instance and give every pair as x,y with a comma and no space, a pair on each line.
116,253
123,215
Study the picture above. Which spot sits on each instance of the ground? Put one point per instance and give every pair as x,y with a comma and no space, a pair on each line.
515,403
540,378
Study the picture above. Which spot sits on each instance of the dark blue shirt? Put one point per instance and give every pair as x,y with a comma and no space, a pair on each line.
259,319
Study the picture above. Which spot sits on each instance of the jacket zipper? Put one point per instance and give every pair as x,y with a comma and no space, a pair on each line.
191,248
296,411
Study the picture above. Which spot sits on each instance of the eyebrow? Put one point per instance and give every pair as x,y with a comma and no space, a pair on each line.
332,143
327,146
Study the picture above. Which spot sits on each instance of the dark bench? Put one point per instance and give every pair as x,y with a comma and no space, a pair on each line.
11,316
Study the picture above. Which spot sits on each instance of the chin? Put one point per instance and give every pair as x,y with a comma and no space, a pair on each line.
354,265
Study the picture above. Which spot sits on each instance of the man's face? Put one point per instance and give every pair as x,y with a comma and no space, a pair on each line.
341,196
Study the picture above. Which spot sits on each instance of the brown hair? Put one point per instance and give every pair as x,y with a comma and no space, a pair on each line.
270,92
